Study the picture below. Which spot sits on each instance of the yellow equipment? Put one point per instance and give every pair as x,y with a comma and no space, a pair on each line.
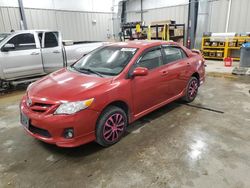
222,47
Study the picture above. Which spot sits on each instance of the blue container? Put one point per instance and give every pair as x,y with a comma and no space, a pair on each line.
246,45
245,55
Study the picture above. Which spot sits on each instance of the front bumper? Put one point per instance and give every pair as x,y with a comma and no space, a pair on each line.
50,128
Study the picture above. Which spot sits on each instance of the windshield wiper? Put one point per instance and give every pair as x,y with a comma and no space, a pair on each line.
92,71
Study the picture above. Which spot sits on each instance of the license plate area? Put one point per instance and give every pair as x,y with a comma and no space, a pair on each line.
25,121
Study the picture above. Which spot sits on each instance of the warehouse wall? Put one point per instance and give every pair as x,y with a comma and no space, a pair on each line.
9,19
238,20
213,17
78,22
75,5
178,10
217,15
178,13
159,10
239,16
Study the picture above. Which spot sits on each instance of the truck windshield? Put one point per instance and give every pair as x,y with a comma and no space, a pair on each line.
110,60
3,36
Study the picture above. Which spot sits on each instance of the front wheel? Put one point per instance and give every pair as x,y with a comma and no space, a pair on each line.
191,90
111,126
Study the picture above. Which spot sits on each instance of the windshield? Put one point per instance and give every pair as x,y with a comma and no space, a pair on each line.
3,36
110,60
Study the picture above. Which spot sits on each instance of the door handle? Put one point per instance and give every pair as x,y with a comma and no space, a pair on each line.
56,52
34,53
164,73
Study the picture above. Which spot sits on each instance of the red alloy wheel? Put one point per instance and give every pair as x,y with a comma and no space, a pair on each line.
193,89
113,127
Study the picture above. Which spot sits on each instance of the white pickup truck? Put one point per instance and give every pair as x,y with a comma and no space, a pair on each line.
27,55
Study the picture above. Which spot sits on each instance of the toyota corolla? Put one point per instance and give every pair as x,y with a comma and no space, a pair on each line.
96,98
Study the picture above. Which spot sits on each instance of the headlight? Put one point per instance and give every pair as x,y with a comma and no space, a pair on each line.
73,107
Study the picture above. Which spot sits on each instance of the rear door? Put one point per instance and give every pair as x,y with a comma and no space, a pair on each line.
176,66
23,61
52,54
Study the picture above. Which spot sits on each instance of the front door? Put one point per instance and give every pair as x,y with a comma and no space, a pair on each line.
24,60
147,90
52,52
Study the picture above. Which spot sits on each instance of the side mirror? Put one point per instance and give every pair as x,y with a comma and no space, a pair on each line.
7,47
140,71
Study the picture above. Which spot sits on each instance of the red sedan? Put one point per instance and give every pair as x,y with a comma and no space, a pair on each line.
97,97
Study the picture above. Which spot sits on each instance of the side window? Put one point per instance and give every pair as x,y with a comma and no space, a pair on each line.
23,41
184,55
151,59
173,54
51,39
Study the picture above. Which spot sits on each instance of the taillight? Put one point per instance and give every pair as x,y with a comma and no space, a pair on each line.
203,62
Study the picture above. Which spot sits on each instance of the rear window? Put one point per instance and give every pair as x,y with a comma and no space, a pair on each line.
51,39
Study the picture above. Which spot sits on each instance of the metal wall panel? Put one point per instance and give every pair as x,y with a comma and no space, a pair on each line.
135,5
8,19
73,5
240,13
41,19
84,25
177,13
218,15
74,25
133,16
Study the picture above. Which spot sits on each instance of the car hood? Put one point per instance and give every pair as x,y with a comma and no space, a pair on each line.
66,85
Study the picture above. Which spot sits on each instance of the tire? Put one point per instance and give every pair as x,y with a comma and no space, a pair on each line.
111,126
191,90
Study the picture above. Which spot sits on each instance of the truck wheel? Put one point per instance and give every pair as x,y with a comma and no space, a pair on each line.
111,126
191,90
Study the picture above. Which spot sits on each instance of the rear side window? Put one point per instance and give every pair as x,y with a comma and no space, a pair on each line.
173,54
23,41
151,59
51,39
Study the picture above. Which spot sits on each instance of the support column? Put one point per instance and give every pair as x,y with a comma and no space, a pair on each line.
23,22
141,11
228,15
202,22
192,22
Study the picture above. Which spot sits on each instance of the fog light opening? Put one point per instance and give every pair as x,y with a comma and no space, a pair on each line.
68,133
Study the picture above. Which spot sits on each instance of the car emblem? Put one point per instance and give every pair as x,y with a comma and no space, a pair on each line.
29,102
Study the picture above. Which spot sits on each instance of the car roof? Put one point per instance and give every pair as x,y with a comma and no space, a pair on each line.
31,31
142,43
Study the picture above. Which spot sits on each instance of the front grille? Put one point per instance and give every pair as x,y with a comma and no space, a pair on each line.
43,105
41,132
40,107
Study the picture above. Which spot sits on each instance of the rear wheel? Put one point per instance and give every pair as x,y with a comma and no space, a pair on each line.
192,90
111,126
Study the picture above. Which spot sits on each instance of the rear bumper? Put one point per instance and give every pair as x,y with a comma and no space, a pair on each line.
202,80
50,128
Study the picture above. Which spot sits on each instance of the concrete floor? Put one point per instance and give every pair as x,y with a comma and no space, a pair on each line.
175,146
215,66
